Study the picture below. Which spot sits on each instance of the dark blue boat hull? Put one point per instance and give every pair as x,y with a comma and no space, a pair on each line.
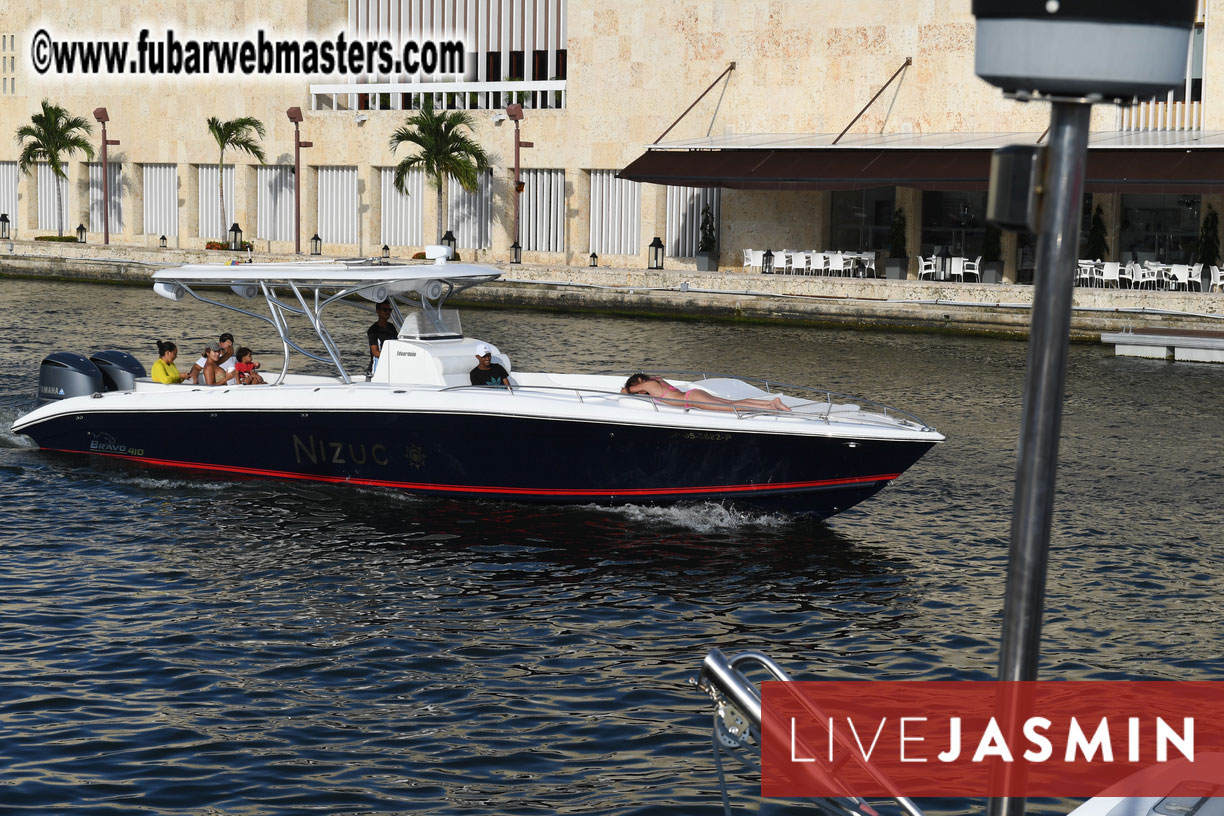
500,457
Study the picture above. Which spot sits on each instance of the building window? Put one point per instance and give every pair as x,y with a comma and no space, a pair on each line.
953,223
861,218
1162,228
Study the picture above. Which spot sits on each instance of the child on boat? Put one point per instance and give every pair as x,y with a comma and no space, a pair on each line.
247,375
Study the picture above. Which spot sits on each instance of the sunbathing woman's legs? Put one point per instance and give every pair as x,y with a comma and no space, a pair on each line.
704,399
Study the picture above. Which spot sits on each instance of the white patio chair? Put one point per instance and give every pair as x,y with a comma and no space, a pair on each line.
956,269
747,260
1110,272
810,263
1084,273
869,264
973,268
1195,277
837,264
1179,276
1145,277
1127,273
926,268
1217,279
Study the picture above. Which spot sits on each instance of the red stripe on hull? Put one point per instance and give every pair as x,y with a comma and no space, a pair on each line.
507,491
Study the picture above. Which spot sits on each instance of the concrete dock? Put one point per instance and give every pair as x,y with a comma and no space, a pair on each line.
910,305
1201,346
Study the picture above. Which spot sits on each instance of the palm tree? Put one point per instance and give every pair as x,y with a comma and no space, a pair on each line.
52,137
240,134
444,150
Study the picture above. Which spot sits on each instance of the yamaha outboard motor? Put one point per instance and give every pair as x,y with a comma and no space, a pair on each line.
119,370
66,374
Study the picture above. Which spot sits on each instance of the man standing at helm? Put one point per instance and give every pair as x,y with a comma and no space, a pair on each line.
379,332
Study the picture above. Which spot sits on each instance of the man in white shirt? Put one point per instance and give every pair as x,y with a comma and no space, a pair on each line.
227,361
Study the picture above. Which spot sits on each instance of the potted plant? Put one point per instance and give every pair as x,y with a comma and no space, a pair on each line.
992,255
707,244
1209,239
896,267
1098,246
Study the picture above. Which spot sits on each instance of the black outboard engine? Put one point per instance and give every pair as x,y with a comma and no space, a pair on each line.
119,370
65,374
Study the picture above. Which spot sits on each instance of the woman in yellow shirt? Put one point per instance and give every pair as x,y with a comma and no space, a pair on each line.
164,369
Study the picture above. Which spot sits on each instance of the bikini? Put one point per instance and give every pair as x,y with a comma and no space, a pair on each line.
671,387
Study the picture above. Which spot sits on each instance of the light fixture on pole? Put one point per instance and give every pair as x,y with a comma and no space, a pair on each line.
515,112
656,253
594,261
295,116
235,237
516,253
316,245
80,233
102,117
161,242
4,227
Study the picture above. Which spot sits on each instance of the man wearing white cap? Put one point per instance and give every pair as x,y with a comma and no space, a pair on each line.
486,371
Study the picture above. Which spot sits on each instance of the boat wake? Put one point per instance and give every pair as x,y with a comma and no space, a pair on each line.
704,517
8,439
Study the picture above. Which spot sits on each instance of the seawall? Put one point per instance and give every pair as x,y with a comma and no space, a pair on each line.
996,309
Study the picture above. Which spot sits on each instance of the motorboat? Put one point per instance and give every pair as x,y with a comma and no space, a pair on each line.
417,423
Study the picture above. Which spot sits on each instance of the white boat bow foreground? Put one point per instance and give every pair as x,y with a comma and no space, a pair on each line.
418,424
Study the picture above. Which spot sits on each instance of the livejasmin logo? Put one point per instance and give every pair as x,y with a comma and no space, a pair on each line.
991,739
1075,744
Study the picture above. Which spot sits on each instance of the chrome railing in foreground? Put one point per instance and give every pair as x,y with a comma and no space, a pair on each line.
737,729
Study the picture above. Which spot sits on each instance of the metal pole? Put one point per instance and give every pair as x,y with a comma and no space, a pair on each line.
297,190
105,192
1041,421
516,182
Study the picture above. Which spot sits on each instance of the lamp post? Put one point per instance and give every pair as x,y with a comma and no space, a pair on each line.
515,112
102,117
295,116
656,253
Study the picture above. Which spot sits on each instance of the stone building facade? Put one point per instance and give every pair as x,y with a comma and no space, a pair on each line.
598,81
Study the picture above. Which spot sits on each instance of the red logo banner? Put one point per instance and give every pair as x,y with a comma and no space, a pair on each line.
963,738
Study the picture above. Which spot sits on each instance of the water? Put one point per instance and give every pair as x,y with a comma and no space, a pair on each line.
175,645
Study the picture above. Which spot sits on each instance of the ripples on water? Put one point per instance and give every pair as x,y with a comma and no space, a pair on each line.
173,644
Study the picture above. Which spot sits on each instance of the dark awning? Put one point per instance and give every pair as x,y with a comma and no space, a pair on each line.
836,168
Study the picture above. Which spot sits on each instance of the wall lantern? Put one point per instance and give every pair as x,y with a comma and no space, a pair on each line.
235,237
4,227
316,245
80,233
161,242
594,261
656,253
386,252
516,253
449,240
767,262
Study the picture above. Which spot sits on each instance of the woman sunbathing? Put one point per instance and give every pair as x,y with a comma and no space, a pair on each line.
662,391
